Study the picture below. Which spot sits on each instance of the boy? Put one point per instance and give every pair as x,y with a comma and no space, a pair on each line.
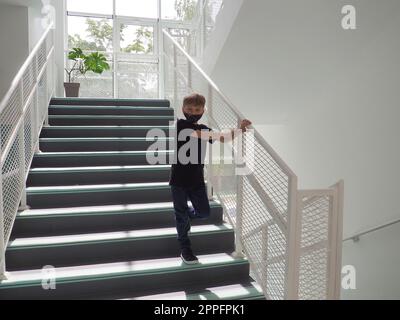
187,177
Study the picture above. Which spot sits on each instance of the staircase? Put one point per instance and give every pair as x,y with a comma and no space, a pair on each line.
104,218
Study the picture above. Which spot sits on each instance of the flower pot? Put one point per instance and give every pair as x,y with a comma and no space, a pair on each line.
71,89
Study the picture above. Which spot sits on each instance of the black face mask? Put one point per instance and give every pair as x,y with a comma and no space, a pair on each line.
192,118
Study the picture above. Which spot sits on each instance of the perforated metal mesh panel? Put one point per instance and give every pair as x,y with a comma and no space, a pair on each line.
22,113
241,195
316,213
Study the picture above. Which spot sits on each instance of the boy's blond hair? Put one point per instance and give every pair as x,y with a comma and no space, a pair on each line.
194,99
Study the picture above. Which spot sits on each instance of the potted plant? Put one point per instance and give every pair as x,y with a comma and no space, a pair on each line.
95,62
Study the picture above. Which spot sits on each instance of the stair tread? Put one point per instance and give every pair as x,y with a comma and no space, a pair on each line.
80,107
19,243
95,187
105,139
231,291
99,210
119,269
86,153
56,127
109,116
99,168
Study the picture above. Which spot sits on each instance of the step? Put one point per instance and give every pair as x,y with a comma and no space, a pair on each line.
108,120
96,195
106,218
237,291
97,158
110,102
102,144
126,279
93,248
97,175
109,110
101,131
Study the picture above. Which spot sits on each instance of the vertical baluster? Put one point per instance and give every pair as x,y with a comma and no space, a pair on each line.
2,234
264,256
293,235
21,154
210,172
175,80
239,194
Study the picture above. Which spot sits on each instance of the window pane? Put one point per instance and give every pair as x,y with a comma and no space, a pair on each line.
137,80
90,33
137,8
186,38
137,39
183,10
91,6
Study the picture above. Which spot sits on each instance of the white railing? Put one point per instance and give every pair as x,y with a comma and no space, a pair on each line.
291,237
23,110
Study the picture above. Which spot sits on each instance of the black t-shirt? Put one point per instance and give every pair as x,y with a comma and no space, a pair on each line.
188,166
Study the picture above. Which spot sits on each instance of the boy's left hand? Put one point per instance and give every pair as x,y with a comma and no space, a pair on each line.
244,124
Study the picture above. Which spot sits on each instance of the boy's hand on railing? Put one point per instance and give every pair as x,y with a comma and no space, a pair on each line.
244,124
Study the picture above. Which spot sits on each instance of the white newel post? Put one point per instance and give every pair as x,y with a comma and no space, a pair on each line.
175,81
2,235
210,172
239,194
293,234
264,256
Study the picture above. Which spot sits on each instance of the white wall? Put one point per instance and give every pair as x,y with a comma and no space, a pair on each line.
36,28
14,41
327,100
223,25
377,262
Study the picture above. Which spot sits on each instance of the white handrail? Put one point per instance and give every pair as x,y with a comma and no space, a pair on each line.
272,219
23,110
356,236
261,139
20,73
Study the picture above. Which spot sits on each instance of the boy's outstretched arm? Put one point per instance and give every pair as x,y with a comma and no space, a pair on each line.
222,136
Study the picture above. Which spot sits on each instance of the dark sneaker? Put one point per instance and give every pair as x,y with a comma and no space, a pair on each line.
188,257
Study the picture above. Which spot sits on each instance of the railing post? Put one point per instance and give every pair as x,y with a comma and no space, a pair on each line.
21,149
210,172
21,153
202,26
38,123
338,230
175,79
293,235
2,234
161,64
239,196
264,256
239,218
189,78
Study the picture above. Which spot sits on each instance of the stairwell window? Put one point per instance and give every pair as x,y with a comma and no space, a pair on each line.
137,8
90,33
129,33
91,6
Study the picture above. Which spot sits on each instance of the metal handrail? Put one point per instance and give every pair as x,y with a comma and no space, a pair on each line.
24,107
259,137
356,237
298,239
